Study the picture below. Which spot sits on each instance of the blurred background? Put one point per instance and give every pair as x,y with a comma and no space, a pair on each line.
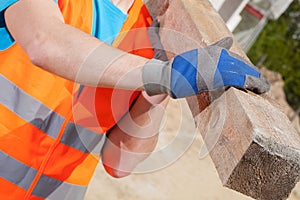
269,31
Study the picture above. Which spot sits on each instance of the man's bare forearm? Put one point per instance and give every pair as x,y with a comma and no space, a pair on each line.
67,51
134,138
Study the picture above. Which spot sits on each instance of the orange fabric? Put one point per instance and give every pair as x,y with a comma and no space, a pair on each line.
108,105
86,117
79,16
9,191
131,20
46,159
9,121
87,168
32,197
69,159
138,33
18,138
29,145
111,104
15,65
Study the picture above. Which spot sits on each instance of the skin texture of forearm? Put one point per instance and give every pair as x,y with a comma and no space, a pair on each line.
39,29
135,136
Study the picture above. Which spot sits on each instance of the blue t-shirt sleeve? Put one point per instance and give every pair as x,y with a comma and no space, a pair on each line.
6,3
5,38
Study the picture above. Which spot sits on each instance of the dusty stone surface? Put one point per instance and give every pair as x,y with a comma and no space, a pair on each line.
277,94
273,176
251,128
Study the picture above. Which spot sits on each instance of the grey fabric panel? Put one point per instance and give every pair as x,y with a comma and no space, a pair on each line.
157,77
16,172
45,186
81,138
22,175
207,65
29,109
68,191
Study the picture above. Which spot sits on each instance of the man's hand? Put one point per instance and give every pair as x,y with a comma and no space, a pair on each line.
203,69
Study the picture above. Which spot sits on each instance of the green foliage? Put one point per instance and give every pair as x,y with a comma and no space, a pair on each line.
280,41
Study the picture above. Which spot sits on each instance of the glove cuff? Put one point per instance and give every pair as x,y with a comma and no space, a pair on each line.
156,77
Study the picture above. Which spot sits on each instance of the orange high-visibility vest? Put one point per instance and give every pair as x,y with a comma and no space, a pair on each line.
51,136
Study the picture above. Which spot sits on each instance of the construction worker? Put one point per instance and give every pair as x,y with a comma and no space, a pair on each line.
72,72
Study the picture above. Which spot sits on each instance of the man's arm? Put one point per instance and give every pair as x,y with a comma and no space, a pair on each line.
66,51
134,138
39,28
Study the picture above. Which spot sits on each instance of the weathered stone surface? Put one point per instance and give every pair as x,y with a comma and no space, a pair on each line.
254,147
277,94
252,143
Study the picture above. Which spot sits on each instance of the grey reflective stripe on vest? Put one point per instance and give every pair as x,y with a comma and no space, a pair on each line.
45,186
48,121
54,189
82,139
22,175
16,172
29,109
68,191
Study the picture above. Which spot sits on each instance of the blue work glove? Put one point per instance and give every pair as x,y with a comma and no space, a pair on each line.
200,70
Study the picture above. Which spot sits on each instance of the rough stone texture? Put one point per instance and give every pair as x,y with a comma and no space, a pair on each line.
278,96
157,9
273,176
252,143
